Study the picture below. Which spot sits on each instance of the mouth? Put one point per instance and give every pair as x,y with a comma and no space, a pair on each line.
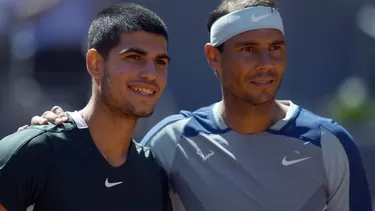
143,91
263,82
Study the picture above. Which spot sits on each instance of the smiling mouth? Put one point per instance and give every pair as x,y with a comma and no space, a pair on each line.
265,82
143,91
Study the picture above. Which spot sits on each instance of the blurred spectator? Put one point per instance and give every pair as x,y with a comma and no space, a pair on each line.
363,47
44,43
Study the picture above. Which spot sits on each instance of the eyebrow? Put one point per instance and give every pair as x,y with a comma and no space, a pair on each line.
278,42
144,53
252,43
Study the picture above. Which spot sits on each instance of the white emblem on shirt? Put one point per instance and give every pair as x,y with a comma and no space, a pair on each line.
205,157
109,184
291,162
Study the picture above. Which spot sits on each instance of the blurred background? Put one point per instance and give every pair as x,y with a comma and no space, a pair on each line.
331,61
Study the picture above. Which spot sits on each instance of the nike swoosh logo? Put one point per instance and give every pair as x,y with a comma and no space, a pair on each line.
291,162
109,185
256,19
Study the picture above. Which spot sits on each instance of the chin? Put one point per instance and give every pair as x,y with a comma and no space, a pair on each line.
143,111
260,99
135,110
136,114
143,114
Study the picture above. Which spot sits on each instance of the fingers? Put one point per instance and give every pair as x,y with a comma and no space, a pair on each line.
56,116
22,128
49,116
37,120
61,116
59,111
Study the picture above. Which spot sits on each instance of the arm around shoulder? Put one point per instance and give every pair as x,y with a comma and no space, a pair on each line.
25,159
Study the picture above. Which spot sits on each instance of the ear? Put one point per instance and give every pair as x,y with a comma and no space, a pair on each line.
94,64
213,56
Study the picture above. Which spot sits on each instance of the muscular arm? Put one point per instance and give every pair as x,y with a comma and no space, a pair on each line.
24,164
347,184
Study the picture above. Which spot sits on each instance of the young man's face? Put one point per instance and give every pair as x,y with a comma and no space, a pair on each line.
135,73
251,65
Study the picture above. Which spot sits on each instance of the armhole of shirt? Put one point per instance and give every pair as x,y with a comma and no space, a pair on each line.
346,176
332,151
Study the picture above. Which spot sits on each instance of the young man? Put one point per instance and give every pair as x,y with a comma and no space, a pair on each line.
250,151
91,162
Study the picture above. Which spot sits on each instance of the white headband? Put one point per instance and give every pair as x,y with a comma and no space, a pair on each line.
247,19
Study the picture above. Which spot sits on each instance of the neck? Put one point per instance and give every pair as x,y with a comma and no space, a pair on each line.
111,133
251,119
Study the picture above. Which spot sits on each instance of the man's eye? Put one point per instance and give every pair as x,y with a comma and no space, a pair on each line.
248,49
160,62
275,48
135,57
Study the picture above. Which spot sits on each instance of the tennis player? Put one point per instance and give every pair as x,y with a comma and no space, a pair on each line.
92,162
250,151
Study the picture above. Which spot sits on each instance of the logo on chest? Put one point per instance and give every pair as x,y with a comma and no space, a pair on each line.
286,162
205,156
111,184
